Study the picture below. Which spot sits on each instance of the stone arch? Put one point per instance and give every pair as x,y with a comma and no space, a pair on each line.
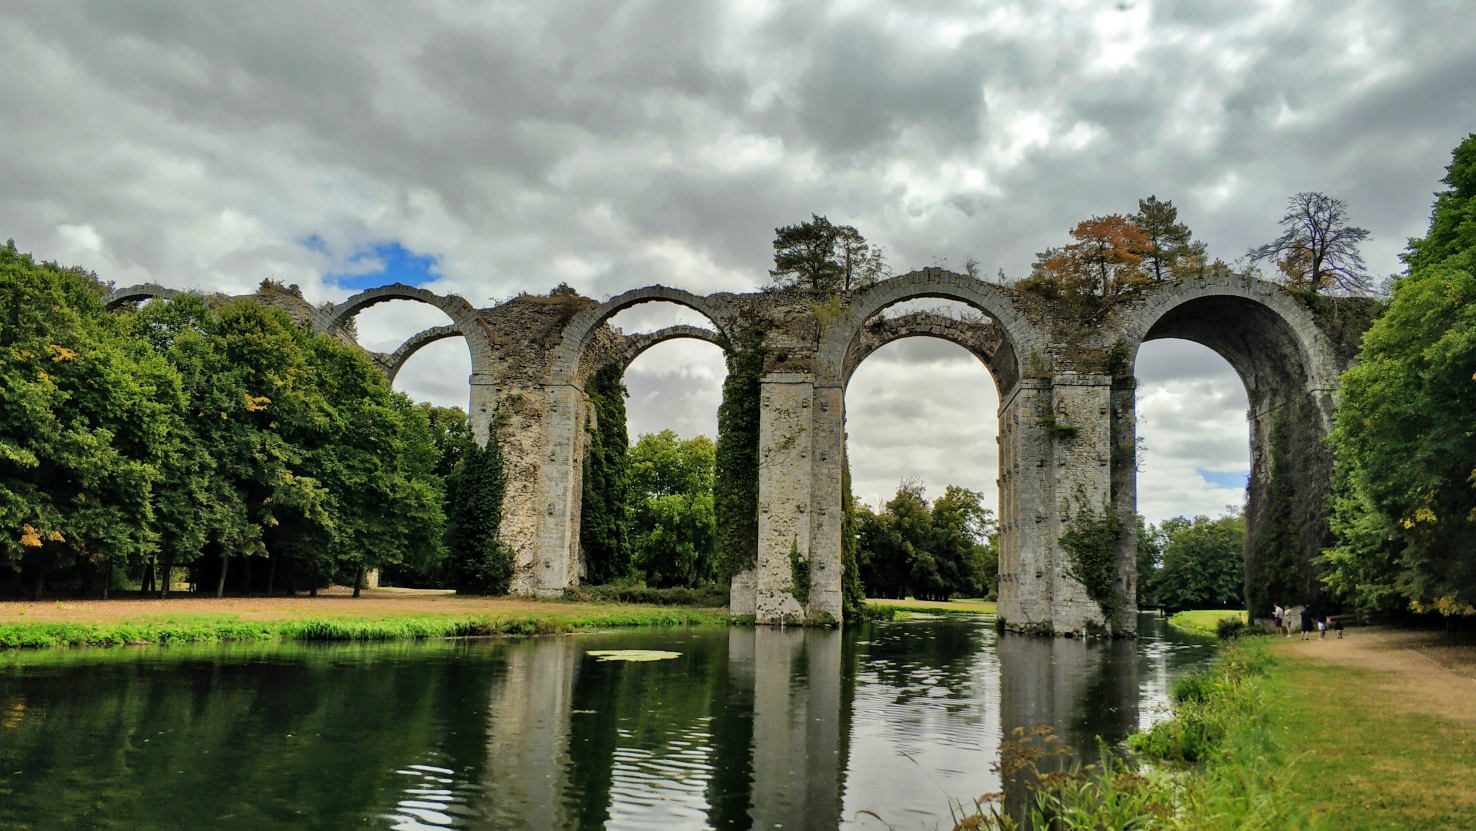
395,361
569,354
1017,334
634,345
982,340
1290,369
465,321
134,294
1265,333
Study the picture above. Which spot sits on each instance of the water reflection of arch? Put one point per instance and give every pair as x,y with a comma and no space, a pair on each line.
1017,335
568,356
134,294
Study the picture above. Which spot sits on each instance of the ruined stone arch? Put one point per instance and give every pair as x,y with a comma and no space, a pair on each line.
134,294
568,356
840,347
1271,338
982,340
632,346
465,321
395,361
1290,370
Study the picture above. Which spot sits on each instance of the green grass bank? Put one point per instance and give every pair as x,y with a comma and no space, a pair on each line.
211,628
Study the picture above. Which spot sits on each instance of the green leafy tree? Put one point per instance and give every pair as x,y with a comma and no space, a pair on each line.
673,522
1203,564
853,594
605,511
1150,561
1405,509
821,256
85,418
477,561
962,543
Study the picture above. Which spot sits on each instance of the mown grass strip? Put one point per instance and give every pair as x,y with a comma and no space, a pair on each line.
1203,621
220,628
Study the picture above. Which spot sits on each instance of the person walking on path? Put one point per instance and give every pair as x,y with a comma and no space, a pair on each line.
1306,622
1321,625
1277,618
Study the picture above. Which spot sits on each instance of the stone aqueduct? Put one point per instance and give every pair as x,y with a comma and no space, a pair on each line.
1066,417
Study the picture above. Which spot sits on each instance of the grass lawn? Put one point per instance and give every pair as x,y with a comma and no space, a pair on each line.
1204,621
1363,758
967,606
377,616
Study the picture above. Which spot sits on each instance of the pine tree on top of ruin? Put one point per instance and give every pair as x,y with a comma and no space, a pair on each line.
1172,250
821,256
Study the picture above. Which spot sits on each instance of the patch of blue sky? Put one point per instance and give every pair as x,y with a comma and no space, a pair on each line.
1220,479
379,265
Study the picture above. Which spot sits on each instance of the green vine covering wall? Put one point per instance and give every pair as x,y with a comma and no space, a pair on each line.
478,563
1278,559
1091,542
799,574
605,510
853,596
737,488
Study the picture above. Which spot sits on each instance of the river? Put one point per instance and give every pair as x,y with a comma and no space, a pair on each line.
744,728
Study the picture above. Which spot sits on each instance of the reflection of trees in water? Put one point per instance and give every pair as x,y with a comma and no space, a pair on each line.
301,736
917,659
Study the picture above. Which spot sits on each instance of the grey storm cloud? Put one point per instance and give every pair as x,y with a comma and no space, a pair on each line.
614,144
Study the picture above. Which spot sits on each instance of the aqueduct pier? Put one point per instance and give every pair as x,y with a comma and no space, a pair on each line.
1067,430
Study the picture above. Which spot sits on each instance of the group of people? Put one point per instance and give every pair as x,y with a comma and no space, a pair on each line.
1281,619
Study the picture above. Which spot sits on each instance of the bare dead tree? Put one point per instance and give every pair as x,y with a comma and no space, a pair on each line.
1317,249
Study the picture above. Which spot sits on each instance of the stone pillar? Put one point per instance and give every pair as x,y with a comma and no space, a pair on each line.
827,456
482,407
786,426
551,564
1056,458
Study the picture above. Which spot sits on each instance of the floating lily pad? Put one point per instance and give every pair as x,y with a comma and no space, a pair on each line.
632,654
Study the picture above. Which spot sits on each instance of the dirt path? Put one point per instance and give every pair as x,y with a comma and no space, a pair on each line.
336,602
1424,671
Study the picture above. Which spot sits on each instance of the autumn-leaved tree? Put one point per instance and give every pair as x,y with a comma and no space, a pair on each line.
821,256
1105,261
1318,248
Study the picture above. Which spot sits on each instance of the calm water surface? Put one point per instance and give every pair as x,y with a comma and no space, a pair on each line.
748,728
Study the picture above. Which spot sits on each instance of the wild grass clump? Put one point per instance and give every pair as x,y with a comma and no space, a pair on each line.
1209,704
1230,628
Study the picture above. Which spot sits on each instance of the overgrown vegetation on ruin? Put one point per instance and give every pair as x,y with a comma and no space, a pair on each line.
1091,542
737,484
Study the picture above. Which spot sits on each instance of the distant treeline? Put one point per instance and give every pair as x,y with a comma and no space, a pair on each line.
220,439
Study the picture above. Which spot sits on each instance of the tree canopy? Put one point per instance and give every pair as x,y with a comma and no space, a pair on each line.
673,524
1405,507
1114,254
1318,248
1194,563
192,434
931,552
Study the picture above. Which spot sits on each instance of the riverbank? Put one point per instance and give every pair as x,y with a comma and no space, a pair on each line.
1382,727
1203,621
953,607
1375,731
333,615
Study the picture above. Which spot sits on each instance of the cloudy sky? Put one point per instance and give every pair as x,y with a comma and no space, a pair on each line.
488,148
